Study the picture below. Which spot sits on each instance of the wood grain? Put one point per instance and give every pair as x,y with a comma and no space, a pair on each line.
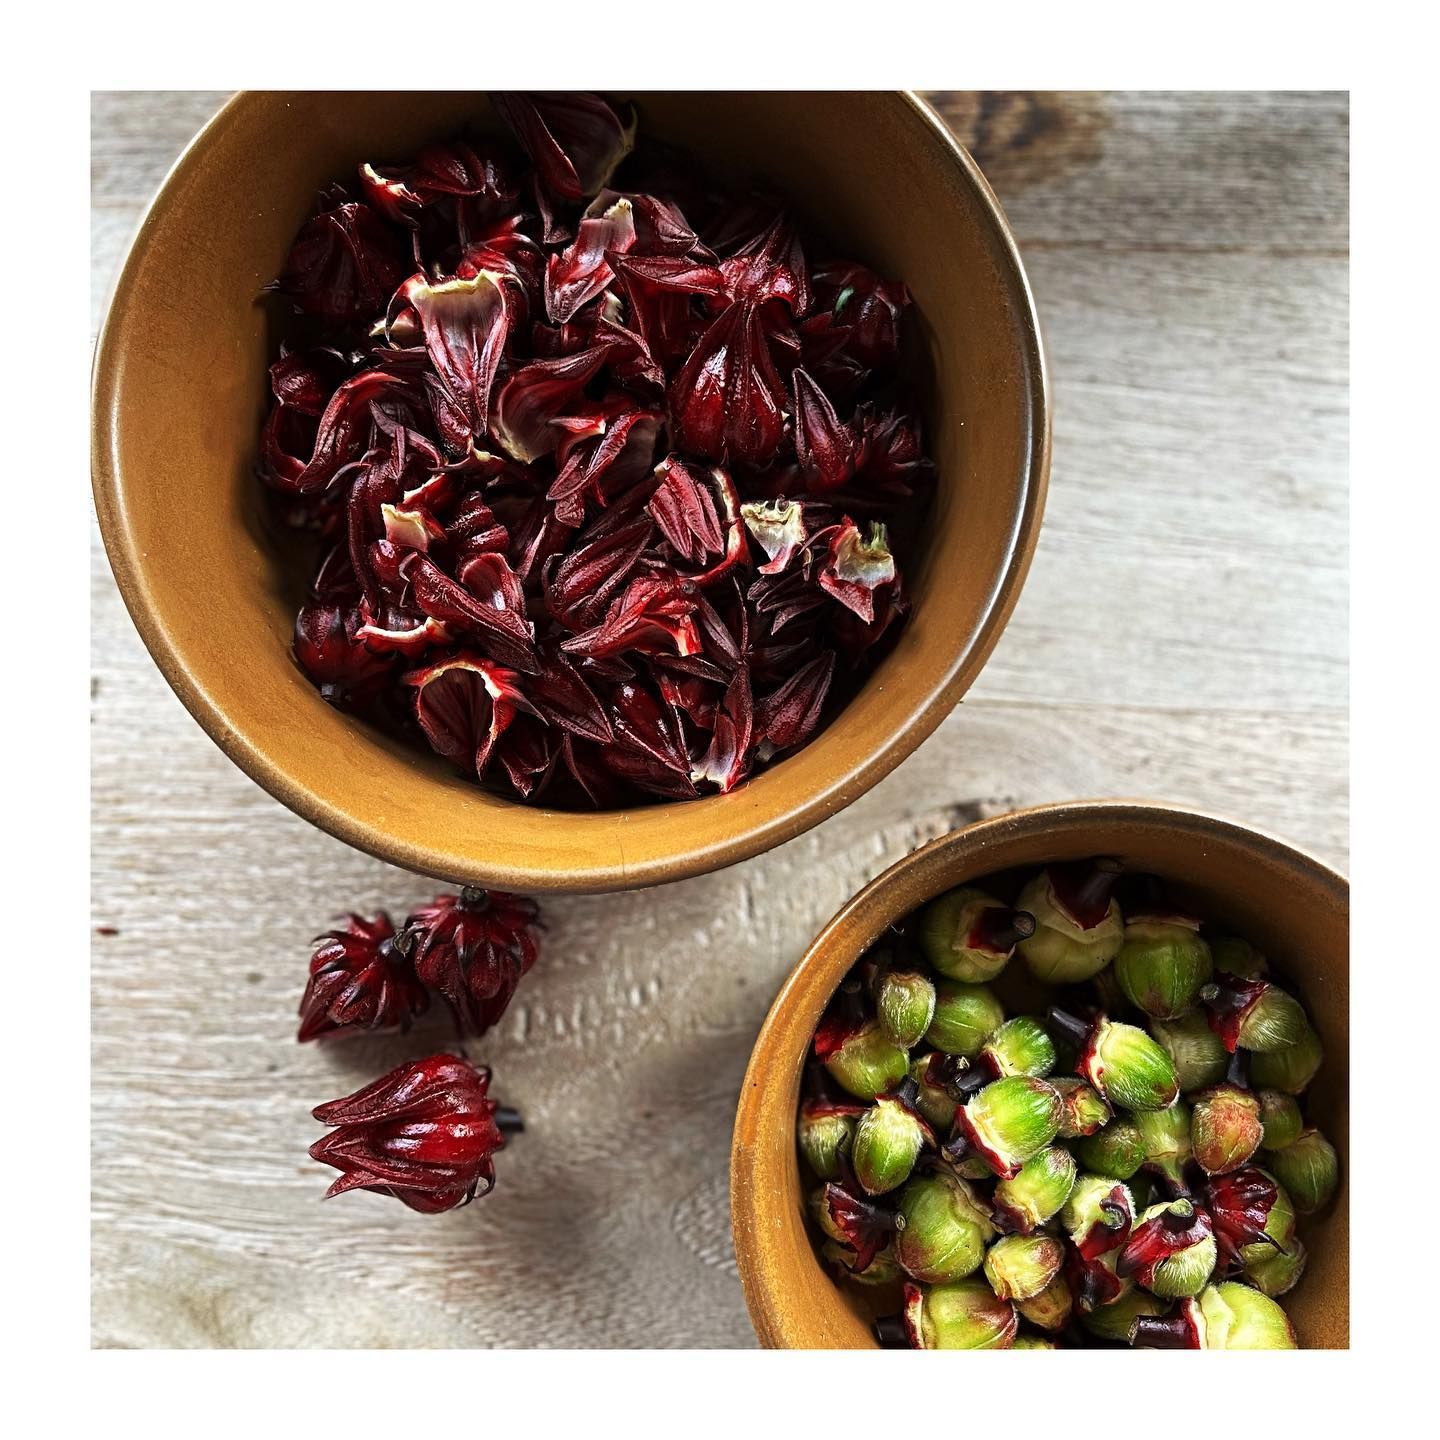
1182,636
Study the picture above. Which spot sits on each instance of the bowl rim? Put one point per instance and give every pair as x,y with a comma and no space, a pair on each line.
433,857
1056,818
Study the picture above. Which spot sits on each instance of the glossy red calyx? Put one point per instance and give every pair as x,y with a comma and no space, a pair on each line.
360,979
604,461
474,948
426,1133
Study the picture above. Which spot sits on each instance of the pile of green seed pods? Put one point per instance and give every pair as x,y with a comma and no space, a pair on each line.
1123,1160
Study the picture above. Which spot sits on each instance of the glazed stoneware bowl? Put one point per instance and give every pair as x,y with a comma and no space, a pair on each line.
180,390
1294,908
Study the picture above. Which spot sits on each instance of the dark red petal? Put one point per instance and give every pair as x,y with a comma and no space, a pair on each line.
855,568
578,274
727,760
653,612
613,461
465,324
464,705
531,418
493,610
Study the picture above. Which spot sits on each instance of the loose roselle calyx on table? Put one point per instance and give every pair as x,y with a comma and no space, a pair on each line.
604,465
361,978
474,948
426,1133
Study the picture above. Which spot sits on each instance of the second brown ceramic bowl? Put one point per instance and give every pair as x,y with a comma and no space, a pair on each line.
180,391
1294,908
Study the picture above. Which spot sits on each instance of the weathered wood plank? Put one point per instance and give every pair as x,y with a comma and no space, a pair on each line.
1182,635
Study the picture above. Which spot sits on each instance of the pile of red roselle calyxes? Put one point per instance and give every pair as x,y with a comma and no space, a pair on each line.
427,1132
603,463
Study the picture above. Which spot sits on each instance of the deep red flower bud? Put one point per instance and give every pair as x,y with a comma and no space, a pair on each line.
790,715
771,266
867,307
331,650
426,1133
474,948
343,265
360,979
727,400
575,141
824,446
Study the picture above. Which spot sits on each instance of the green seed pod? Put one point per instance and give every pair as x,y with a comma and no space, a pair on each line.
1279,1118
1021,1046
930,1071
1253,1014
1162,964
1197,1052
1117,1150
1033,1342
1166,1134
1225,1128
1171,1250
1127,1067
1233,956
1113,1321
1098,1215
946,1229
965,1016
1052,1307
905,1003
1011,1120
1308,1169
824,1131
1228,1316
887,1142
1280,1273
1078,928
1279,1227
1086,1109
862,1059
882,1270
1043,1185
1290,1070
967,935
966,1315
1019,1267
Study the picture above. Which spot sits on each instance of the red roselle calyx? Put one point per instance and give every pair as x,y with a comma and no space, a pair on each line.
361,979
604,464
473,948
426,1133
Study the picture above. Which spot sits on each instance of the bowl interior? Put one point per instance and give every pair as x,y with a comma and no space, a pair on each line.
181,390
1292,907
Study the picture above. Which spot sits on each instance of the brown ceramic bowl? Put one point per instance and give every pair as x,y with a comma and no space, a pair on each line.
180,390
1293,907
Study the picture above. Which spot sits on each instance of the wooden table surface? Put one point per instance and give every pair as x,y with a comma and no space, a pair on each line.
1182,636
